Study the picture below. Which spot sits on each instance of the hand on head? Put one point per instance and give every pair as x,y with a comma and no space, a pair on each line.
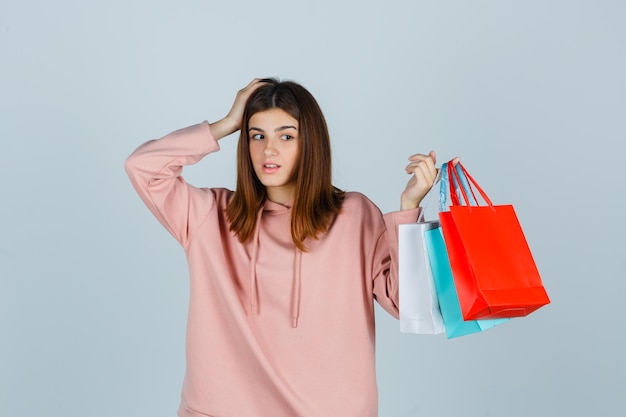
235,114
233,120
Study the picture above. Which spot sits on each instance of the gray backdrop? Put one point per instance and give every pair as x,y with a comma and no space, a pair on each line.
531,94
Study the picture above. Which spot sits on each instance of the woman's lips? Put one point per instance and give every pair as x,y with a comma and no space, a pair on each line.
270,168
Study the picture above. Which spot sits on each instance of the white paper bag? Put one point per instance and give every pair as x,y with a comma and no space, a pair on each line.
419,308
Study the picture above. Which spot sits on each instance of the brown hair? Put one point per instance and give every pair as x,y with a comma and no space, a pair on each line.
316,200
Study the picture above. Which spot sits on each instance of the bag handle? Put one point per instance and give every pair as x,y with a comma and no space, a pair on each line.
457,186
453,186
462,194
428,196
442,179
443,186
460,175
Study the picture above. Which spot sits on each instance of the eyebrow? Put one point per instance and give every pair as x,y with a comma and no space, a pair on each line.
278,129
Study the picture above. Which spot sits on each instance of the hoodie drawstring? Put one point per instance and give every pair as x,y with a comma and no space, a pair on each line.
295,296
253,261
297,277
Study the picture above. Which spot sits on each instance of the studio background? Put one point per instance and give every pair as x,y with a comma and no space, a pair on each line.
531,94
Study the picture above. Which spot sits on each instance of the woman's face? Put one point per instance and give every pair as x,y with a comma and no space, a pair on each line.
274,150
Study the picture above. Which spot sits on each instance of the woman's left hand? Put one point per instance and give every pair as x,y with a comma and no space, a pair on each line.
423,173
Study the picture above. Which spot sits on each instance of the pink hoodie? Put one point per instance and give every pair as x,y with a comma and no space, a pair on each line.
272,331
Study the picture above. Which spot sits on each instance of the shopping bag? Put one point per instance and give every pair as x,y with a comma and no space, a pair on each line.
454,323
453,320
493,269
419,308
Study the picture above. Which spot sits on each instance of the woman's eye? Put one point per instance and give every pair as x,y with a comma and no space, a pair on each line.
258,136
286,137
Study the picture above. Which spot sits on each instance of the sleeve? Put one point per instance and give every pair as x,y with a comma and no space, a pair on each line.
385,271
155,169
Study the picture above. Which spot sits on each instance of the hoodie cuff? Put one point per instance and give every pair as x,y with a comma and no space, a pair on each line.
395,218
403,216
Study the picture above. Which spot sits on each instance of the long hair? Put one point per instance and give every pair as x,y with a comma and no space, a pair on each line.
316,201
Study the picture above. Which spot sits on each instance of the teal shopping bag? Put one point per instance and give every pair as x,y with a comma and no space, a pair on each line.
446,291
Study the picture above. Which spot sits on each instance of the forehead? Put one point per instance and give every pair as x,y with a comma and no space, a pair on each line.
271,118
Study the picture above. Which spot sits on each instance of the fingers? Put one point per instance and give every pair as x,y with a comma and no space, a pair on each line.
422,170
255,83
418,156
432,155
245,92
235,114
422,163
423,174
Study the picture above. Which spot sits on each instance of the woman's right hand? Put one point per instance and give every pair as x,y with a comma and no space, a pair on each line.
233,120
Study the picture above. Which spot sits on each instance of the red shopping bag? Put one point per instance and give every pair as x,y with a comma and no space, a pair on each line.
492,266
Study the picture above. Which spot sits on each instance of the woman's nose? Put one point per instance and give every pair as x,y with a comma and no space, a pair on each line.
270,149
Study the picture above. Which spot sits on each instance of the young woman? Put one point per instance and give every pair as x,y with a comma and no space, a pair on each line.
284,270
